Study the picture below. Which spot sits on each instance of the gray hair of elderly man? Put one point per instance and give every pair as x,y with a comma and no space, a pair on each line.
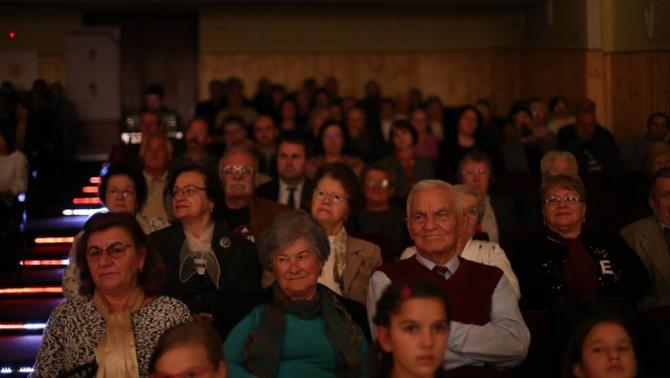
465,190
288,227
241,147
425,185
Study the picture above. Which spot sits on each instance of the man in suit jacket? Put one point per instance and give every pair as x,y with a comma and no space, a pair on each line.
291,187
650,239
244,213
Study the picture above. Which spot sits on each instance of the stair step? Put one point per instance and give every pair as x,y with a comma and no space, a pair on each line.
33,277
27,309
19,349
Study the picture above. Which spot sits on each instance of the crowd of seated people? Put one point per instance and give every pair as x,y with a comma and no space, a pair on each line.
308,216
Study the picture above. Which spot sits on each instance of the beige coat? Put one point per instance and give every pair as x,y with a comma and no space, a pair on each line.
363,258
645,237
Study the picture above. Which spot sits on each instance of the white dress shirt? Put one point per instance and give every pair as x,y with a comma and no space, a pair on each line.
483,252
502,342
284,193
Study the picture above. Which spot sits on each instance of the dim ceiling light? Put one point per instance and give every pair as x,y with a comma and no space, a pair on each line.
54,240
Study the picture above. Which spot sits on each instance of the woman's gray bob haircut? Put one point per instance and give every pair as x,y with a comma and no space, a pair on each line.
288,227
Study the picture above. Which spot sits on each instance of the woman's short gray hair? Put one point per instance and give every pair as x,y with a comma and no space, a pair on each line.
465,190
288,227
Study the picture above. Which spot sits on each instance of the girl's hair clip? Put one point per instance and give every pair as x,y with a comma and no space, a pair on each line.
405,293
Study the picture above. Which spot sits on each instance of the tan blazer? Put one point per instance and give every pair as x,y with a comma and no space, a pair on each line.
363,258
645,237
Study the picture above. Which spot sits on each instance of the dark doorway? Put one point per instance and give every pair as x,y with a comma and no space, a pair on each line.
155,49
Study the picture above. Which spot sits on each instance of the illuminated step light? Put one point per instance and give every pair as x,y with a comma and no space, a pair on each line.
54,240
6,370
94,180
89,189
86,201
31,290
22,326
80,212
26,369
54,262
21,197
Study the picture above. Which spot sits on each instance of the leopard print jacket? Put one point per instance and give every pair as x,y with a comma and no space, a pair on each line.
75,328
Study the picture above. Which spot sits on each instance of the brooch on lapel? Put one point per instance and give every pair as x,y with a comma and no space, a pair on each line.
225,242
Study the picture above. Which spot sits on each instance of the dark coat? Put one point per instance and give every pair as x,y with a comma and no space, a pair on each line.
240,275
601,146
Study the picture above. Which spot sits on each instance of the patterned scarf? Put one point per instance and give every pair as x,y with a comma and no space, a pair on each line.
338,247
116,354
263,347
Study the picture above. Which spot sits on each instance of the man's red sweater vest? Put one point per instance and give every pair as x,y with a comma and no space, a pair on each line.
469,289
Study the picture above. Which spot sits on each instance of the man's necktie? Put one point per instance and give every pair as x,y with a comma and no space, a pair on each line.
291,199
440,270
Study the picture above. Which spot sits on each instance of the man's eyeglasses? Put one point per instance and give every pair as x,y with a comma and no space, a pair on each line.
230,170
335,197
188,190
114,250
568,199
125,193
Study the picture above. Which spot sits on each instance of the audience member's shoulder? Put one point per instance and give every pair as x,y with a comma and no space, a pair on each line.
168,230
266,204
639,225
480,269
168,303
361,244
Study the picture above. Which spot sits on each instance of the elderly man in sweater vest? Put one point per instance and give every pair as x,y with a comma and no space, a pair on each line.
487,331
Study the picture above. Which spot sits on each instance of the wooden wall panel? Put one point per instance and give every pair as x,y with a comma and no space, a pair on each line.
549,72
51,68
640,85
456,76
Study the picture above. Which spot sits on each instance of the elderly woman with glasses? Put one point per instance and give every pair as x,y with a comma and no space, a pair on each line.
337,195
569,263
300,328
122,190
209,268
113,326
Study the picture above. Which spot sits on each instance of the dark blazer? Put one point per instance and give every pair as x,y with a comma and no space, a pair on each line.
270,190
602,147
240,275
423,169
